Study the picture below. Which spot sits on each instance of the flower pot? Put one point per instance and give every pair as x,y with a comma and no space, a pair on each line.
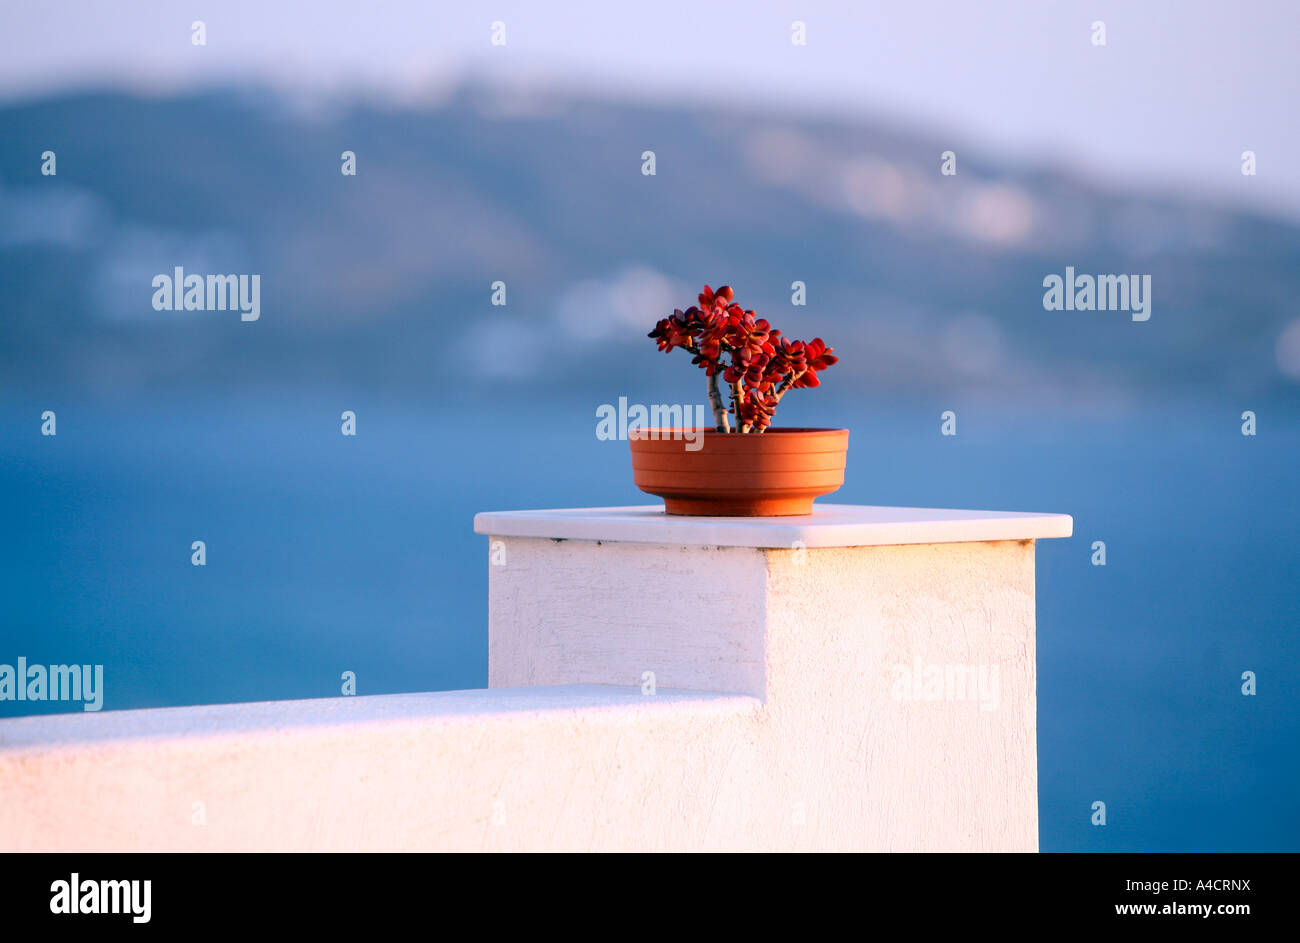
773,474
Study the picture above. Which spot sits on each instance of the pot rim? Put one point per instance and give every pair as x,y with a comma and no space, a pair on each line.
669,432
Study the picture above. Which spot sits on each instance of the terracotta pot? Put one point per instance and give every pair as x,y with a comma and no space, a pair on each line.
773,474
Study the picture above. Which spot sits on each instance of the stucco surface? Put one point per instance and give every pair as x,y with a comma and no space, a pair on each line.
545,768
587,612
906,773
821,635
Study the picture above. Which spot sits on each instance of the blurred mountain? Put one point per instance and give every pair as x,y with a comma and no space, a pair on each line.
382,280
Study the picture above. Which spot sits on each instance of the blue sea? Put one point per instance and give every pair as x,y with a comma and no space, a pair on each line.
328,554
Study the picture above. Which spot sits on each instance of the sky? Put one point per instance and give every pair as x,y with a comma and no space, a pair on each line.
1177,93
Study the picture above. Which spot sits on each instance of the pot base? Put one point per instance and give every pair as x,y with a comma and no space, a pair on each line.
742,507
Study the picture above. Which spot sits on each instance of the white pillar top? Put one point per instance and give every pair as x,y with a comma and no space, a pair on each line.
829,525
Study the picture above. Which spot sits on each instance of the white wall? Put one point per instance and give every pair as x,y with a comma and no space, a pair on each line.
791,737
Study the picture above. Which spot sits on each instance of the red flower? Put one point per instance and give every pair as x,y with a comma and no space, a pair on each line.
748,367
709,297
819,358
746,333
790,357
756,410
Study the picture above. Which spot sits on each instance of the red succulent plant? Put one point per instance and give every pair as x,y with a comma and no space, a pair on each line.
758,364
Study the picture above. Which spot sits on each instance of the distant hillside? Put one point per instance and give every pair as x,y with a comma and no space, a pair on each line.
922,282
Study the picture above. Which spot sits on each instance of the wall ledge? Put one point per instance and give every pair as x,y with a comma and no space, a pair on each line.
433,710
830,525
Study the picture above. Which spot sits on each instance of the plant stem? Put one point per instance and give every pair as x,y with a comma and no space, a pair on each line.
790,381
715,395
715,400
